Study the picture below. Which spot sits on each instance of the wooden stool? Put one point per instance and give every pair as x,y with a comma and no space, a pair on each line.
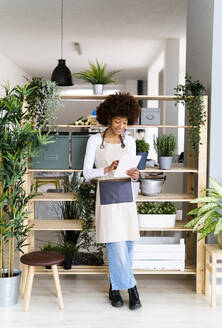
215,252
42,258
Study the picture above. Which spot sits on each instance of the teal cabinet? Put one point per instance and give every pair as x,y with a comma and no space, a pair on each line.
53,155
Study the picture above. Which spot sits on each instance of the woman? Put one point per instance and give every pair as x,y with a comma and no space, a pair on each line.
116,212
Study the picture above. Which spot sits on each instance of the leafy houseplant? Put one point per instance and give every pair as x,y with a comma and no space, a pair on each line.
208,216
142,148
19,141
43,101
190,95
165,146
157,215
82,209
97,75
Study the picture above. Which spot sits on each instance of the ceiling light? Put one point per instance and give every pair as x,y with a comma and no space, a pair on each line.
61,74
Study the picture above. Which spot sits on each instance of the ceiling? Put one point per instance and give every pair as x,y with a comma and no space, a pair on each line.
125,34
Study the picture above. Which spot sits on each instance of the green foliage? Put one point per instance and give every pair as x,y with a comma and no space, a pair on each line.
207,217
82,209
20,140
97,74
190,95
43,101
165,144
142,146
157,208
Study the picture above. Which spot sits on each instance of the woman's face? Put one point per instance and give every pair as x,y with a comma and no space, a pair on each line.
119,124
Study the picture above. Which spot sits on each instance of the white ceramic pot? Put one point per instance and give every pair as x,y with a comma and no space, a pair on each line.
157,220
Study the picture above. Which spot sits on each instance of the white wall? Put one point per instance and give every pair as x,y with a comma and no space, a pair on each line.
9,71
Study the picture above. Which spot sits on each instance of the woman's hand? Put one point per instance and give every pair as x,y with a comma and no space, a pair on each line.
133,173
112,167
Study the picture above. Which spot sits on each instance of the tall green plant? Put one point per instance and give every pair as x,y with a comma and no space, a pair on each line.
17,137
190,94
165,145
96,74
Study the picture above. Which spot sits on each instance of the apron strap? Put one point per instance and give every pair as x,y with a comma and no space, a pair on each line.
103,138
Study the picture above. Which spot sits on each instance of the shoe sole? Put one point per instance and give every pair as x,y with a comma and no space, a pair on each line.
117,304
135,307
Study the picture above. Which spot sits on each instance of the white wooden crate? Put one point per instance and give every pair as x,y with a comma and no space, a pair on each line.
159,253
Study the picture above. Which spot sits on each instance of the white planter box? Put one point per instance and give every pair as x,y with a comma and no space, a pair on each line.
159,253
157,220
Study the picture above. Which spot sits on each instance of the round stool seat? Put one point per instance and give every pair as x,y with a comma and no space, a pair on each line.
42,258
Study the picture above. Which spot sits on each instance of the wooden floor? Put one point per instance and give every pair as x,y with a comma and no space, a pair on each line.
168,302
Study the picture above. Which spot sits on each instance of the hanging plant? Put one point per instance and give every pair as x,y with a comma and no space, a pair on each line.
190,95
43,102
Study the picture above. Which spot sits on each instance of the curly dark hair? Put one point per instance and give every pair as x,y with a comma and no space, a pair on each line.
119,104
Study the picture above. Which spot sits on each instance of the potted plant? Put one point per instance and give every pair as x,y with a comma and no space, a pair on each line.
157,215
83,209
142,148
97,76
19,141
43,102
165,146
208,217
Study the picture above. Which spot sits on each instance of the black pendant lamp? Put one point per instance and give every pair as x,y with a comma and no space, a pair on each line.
61,74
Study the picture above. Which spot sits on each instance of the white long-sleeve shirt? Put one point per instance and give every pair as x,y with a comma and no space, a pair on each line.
90,156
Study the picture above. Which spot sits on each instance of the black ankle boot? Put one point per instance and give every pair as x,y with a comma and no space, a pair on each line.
134,301
115,297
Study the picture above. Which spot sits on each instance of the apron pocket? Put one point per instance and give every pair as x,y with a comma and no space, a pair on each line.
115,192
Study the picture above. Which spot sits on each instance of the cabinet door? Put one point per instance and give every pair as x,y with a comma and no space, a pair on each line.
78,150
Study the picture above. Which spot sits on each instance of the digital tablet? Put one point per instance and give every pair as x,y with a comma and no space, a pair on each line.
126,163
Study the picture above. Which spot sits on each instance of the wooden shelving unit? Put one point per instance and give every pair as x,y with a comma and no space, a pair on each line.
189,170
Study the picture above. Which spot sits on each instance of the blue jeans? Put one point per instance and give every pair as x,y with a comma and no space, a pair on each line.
120,256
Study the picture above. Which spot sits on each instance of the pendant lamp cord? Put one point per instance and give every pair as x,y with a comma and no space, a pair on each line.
61,29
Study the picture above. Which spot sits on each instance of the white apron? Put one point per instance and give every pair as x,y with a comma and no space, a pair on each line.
119,221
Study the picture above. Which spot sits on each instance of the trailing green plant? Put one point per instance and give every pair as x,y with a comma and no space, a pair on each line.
190,94
16,148
97,74
43,101
165,145
142,146
207,217
156,208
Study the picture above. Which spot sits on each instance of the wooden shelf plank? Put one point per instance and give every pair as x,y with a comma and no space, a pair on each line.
166,197
51,196
87,269
174,169
54,170
162,197
61,224
142,126
102,97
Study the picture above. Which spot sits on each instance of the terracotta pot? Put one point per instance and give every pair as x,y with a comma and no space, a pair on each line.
219,239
